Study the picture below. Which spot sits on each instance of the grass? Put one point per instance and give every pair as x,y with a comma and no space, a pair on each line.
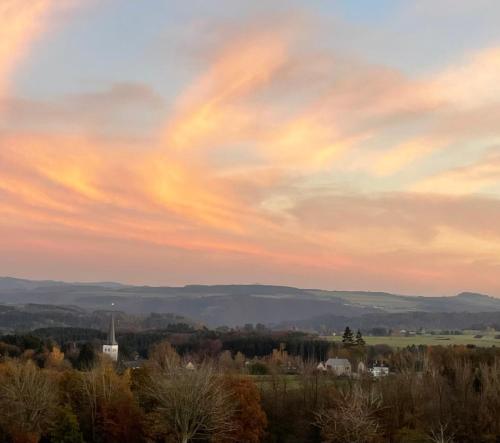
487,340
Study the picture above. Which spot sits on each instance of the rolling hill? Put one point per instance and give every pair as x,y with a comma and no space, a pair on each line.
233,305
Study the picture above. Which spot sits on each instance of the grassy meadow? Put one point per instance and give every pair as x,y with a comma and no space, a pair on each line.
487,340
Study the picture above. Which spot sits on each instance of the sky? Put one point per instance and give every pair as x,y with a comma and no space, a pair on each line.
324,144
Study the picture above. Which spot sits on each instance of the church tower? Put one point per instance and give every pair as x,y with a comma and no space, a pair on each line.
111,346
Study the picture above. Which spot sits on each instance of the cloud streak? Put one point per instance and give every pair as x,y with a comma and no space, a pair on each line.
20,23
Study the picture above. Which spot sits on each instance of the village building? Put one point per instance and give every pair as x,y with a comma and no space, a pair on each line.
321,366
339,366
379,371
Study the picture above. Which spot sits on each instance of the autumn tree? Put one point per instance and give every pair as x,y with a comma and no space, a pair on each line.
164,357
249,418
106,405
55,359
28,398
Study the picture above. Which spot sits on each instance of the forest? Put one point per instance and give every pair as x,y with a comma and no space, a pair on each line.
245,390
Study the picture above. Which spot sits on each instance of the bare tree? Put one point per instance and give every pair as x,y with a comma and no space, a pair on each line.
441,435
188,404
28,398
352,418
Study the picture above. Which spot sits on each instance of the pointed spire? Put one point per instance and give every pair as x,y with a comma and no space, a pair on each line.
111,334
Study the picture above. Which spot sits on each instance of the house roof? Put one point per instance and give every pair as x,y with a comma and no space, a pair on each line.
338,362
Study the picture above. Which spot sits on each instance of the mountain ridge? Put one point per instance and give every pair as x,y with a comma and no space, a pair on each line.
234,305
115,284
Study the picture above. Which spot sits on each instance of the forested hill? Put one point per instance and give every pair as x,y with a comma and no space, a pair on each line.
21,318
233,305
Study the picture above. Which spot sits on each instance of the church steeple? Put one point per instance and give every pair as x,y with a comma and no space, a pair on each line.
111,333
111,346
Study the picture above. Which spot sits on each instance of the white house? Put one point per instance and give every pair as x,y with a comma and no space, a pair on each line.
340,366
379,371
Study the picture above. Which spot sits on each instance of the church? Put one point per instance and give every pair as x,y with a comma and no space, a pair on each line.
111,346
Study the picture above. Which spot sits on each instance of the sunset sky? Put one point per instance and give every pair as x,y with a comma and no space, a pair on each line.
330,144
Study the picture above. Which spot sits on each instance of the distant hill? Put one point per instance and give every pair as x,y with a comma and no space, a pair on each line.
23,318
234,305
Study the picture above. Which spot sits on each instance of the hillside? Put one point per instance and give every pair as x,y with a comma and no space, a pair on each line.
233,305
30,316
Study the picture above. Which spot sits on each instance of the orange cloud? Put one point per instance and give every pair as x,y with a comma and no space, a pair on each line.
212,102
66,162
20,22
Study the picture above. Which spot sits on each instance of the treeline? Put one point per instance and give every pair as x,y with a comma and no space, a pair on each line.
193,341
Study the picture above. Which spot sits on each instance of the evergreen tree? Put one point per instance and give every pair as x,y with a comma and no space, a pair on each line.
359,339
87,357
348,337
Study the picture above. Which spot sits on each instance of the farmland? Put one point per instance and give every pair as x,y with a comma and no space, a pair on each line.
469,338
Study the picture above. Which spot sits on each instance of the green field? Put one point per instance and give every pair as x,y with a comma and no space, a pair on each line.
427,339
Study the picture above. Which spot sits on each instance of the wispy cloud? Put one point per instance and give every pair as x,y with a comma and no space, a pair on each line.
20,23
482,176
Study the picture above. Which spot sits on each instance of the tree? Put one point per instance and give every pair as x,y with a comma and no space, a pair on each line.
239,360
348,337
55,359
352,419
86,357
441,435
106,406
164,356
359,339
187,405
226,362
249,418
66,428
28,398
